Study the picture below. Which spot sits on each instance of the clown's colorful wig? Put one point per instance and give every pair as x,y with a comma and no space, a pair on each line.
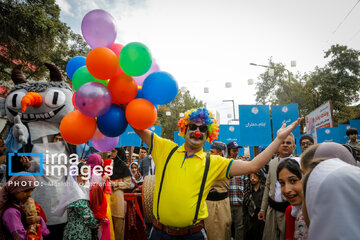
200,115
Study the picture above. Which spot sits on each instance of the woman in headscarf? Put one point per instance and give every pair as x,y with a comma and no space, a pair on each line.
120,180
97,177
331,192
326,150
98,202
75,200
13,219
136,178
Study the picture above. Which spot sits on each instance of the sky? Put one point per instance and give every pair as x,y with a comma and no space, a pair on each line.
208,43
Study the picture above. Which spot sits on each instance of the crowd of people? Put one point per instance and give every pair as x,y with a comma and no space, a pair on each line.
196,194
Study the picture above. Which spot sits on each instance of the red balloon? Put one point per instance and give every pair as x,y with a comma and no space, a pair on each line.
123,88
73,100
140,113
76,128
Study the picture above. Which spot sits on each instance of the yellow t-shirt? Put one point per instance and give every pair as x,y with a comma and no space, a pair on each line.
182,181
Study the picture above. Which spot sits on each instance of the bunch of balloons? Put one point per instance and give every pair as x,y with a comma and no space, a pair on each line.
115,85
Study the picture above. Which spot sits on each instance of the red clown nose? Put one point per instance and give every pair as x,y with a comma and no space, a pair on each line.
197,134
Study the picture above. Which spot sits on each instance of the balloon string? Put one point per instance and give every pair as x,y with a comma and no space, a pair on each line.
83,150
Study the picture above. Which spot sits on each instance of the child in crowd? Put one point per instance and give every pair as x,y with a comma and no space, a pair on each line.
253,227
289,176
94,161
136,179
14,221
98,202
76,201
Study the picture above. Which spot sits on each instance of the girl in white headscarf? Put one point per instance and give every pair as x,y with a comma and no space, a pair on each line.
332,203
75,200
331,193
136,178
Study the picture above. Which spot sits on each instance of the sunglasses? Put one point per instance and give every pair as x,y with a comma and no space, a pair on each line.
202,128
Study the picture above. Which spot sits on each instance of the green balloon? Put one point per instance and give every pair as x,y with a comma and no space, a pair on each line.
82,76
135,59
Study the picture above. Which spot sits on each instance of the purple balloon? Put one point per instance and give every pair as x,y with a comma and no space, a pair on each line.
98,28
103,143
154,68
93,99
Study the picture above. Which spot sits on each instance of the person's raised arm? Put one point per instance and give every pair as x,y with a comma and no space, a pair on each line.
243,167
145,135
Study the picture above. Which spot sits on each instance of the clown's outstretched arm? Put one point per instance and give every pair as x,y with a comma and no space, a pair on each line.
244,167
145,135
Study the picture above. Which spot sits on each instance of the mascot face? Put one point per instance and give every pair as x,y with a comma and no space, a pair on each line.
39,101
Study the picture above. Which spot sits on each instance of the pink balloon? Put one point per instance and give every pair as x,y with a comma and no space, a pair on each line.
116,48
154,68
103,143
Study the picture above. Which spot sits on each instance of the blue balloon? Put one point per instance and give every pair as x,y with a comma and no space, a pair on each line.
113,123
160,88
139,94
73,65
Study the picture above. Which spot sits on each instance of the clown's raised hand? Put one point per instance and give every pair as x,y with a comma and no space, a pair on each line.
284,131
20,132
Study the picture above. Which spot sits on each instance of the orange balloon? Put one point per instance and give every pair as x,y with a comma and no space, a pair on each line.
76,128
102,63
123,88
140,113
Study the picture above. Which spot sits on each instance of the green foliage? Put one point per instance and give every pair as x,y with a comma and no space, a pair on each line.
33,34
182,103
337,81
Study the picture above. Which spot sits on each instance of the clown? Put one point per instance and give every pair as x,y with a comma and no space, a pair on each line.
36,109
184,174
209,130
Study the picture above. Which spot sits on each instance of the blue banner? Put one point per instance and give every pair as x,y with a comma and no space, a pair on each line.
286,114
355,124
129,138
207,146
254,125
178,139
252,153
342,133
297,141
327,135
241,151
156,129
229,133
